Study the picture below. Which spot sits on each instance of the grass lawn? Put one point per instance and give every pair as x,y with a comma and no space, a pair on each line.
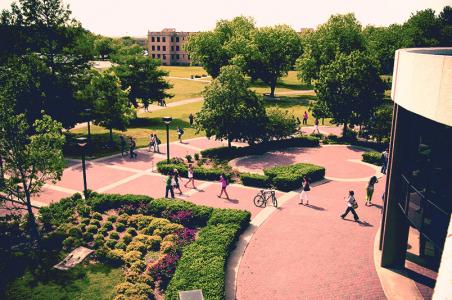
184,71
185,89
82,282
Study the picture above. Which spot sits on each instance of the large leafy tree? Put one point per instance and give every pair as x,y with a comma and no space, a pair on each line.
379,125
31,156
143,78
52,49
340,35
270,54
104,47
109,103
230,110
351,88
445,18
423,29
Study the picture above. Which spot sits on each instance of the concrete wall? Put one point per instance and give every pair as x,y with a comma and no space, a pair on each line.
422,82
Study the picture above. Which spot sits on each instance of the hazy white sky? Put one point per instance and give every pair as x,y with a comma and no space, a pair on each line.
136,17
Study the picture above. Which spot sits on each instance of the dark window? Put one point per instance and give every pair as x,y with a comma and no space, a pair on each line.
164,48
172,56
153,55
153,39
158,55
177,39
188,56
177,48
172,48
158,48
158,39
177,56
153,48
163,39
164,56
172,39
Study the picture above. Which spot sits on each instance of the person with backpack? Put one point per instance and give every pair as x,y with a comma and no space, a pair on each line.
169,185
122,142
384,161
351,206
133,145
316,126
151,142
305,188
175,181
157,142
190,176
224,183
180,132
370,190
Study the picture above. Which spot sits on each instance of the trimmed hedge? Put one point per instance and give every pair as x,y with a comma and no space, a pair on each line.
198,172
203,263
104,202
230,216
372,157
226,153
287,178
256,180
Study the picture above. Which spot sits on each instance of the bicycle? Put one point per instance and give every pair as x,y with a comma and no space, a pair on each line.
260,200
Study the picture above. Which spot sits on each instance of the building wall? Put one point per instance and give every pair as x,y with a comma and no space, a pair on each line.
167,45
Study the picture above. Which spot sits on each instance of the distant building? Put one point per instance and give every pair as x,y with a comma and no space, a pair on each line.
167,46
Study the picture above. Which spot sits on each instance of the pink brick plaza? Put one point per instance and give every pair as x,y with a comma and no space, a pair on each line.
299,252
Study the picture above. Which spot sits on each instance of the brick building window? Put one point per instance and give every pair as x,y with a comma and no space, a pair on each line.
172,56
158,55
177,48
158,48
153,48
164,48
172,48
153,55
172,39
177,56
164,56
177,39
158,39
153,39
163,39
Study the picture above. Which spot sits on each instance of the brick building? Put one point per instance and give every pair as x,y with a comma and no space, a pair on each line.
167,45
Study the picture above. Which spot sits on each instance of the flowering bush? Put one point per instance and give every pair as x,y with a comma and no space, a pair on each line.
164,268
185,236
183,217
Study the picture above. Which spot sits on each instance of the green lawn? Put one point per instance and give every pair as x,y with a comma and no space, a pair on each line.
185,89
184,71
82,282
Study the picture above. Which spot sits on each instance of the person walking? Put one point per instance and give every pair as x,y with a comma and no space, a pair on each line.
122,142
351,206
190,176
305,188
169,186
157,142
305,118
224,183
175,181
384,161
316,126
180,132
133,145
190,119
151,142
370,190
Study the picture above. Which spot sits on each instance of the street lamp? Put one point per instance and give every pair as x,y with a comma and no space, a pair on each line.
167,121
82,142
88,114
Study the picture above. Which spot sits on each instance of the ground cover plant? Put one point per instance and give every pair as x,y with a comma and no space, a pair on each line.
138,242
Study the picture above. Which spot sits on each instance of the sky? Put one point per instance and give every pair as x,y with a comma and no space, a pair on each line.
136,17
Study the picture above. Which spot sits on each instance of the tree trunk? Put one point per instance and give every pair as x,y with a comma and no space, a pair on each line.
31,219
229,142
323,121
344,130
272,88
111,136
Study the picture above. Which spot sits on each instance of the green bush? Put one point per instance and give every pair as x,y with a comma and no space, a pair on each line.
127,238
103,231
69,242
111,243
108,225
136,291
198,172
372,157
95,223
91,228
201,214
114,235
96,216
203,263
257,180
112,218
85,221
120,227
230,216
104,202
287,178
131,231
121,245
74,231
60,212
88,236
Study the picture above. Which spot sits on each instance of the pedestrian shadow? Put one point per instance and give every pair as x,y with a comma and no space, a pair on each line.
361,223
235,201
315,207
377,206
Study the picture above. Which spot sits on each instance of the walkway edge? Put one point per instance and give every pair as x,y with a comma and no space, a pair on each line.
395,285
233,264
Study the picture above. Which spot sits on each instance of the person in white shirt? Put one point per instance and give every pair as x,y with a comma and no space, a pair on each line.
190,176
351,205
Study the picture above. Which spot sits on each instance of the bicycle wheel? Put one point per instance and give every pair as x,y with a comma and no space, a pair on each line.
259,201
274,201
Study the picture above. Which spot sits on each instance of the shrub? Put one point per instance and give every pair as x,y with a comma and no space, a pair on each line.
167,229
74,231
231,216
88,236
120,227
372,157
110,243
103,231
152,243
123,219
168,247
83,210
112,218
69,242
114,235
164,268
60,212
139,221
96,216
127,238
121,245
189,158
115,257
98,237
132,256
198,172
287,178
95,223
85,221
196,156
135,291
108,225
136,246
204,258
138,266
98,243
131,231
134,276
257,180
91,228
104,202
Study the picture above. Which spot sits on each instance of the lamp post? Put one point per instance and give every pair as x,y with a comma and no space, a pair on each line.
88,114
167,121
82,142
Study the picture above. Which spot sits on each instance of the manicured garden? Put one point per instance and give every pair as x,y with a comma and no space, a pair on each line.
144,248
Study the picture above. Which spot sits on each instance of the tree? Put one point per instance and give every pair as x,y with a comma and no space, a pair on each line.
230,110
445,18
340,35
271,53
109,103
280,124
50,47
423,29
144,79
379,125
319,110
104,47
31,157
351,88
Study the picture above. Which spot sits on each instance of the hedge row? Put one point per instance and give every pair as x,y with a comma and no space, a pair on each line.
104,202
372,157
198,172
226,153
203,263
257,180
288,178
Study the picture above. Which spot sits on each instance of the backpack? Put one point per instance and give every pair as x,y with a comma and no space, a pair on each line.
159,141
181,131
